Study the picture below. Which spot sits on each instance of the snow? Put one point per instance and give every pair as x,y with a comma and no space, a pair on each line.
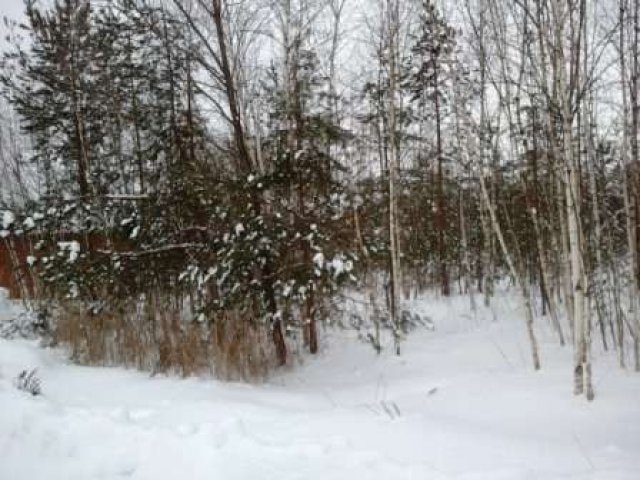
134,232
29,223
7,219
73,247
340,266
318,260
461,403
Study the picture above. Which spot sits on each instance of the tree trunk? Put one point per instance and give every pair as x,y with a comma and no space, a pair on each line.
392,14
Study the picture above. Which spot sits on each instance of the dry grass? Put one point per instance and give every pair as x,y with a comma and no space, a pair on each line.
155,337
242,349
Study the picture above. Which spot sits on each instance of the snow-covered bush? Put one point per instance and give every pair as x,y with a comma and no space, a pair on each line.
28,381
24,325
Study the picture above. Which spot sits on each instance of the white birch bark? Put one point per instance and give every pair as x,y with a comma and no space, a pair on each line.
582,366
392,31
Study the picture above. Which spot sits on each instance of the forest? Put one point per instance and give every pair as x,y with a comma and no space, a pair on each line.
193,186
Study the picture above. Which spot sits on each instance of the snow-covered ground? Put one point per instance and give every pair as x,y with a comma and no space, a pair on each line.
460,403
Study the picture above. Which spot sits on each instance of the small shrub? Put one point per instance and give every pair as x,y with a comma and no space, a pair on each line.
28,381
28,324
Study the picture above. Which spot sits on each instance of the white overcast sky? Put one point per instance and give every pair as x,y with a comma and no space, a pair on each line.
12,9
